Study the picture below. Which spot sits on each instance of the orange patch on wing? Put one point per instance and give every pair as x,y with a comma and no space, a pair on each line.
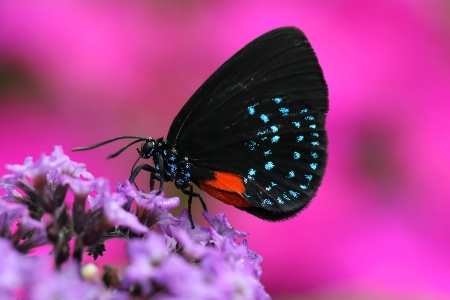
226,187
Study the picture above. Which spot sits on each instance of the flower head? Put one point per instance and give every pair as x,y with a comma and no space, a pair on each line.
168,259
65,283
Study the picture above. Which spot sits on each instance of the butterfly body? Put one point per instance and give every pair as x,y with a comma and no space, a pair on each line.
253,135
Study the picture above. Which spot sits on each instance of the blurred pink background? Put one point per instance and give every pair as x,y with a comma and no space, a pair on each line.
76,73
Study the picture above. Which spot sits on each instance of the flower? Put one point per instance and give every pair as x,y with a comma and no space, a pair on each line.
151,200
28,234
13,268
168,259
222,227
117,215
63,284
50,167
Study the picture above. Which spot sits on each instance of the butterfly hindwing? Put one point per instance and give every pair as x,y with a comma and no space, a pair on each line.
278,148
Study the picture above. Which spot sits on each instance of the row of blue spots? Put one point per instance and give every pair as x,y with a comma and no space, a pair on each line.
274,139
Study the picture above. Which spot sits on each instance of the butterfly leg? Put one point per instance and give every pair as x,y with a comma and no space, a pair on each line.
189,190
158,175
154,175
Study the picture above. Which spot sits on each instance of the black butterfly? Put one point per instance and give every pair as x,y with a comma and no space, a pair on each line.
253,134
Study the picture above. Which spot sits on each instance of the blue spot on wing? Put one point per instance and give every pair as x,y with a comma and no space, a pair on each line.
284,111
251,173
264,118
269,165
251,109
262,132
266,202
286,197
277,100
294,194
252,145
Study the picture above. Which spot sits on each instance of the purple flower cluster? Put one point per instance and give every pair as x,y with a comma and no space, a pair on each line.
56,203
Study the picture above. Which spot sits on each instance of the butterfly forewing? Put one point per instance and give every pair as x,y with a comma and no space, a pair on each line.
260,117
278,62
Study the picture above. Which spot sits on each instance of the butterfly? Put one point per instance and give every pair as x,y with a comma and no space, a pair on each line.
253,135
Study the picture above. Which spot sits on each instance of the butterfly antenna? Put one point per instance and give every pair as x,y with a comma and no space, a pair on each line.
138,139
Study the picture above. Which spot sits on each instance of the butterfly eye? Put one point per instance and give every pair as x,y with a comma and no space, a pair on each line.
147,148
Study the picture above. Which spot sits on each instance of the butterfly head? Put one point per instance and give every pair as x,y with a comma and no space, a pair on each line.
147,148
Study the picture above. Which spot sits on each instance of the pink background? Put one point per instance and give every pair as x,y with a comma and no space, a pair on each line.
76,73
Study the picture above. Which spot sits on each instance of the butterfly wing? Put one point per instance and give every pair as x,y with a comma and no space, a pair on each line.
254,131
